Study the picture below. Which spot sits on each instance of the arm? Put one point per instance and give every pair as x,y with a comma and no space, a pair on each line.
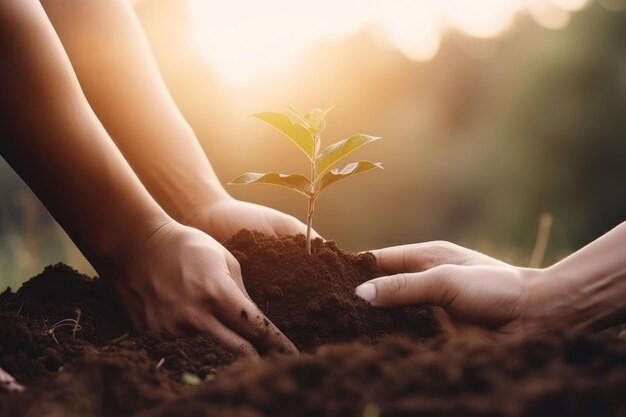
167,276
585,291
124,87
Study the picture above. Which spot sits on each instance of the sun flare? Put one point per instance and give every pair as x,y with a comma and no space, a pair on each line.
246,41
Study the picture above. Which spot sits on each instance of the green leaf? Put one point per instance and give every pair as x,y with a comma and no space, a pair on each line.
297,132
354,168
296,182
316,119
333,153
313,120
297,113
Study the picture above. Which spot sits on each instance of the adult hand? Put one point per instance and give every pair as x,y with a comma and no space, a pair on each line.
225,217
182,281
8,383
469,286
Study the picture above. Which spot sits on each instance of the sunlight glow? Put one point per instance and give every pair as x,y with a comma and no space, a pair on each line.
570,5
549,15
481,19
410,26
247,41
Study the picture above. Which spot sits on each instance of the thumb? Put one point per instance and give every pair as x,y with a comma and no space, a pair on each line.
433,287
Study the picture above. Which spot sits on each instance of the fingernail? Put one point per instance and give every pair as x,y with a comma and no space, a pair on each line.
366,291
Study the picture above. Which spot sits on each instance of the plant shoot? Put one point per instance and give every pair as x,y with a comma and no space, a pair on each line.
305,133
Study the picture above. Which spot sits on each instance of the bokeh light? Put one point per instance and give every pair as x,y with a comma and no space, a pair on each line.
247,41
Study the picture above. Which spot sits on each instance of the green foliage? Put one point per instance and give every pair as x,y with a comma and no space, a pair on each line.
351,169
305,134
297,132
296,182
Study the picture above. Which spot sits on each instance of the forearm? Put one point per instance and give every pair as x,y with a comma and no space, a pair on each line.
54,141
123,85
587,290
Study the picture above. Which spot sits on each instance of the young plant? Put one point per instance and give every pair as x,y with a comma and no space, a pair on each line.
305,133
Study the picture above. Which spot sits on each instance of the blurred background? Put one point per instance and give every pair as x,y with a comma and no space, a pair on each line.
492,112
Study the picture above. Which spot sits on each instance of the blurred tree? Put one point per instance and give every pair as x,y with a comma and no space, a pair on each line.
479,141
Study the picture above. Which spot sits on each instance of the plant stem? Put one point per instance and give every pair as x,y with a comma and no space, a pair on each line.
309,222
312,196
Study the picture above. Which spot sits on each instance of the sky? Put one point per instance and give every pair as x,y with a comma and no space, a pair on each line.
247,40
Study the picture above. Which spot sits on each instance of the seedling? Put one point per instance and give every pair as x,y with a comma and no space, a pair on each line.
305,133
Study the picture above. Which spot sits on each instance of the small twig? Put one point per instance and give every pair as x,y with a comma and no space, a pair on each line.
64,323
76,325
160,363
119,339
541,244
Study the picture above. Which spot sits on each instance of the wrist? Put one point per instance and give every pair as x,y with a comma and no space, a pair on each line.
568,299
198,214
128,245
193,211
539,314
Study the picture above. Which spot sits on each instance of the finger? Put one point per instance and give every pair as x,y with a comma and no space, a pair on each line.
409,258
8,383
435,287
234,270
419,257
243,317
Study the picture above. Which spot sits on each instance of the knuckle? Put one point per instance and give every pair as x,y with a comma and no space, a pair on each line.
211,293
443,247
185,322
394,285
447,284
259,330
444,272
439,251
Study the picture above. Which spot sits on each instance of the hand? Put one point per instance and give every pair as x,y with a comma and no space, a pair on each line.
225,217
183,281
8,383
469,286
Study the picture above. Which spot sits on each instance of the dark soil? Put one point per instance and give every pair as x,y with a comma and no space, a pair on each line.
103,368
540,376
311,297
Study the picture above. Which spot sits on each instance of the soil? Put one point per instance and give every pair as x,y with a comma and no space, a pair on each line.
311,297
64,337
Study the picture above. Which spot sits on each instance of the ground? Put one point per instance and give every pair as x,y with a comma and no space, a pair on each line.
63,336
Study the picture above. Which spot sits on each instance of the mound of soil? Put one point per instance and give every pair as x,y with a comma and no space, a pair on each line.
59,361
63,336
544,375
311,297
